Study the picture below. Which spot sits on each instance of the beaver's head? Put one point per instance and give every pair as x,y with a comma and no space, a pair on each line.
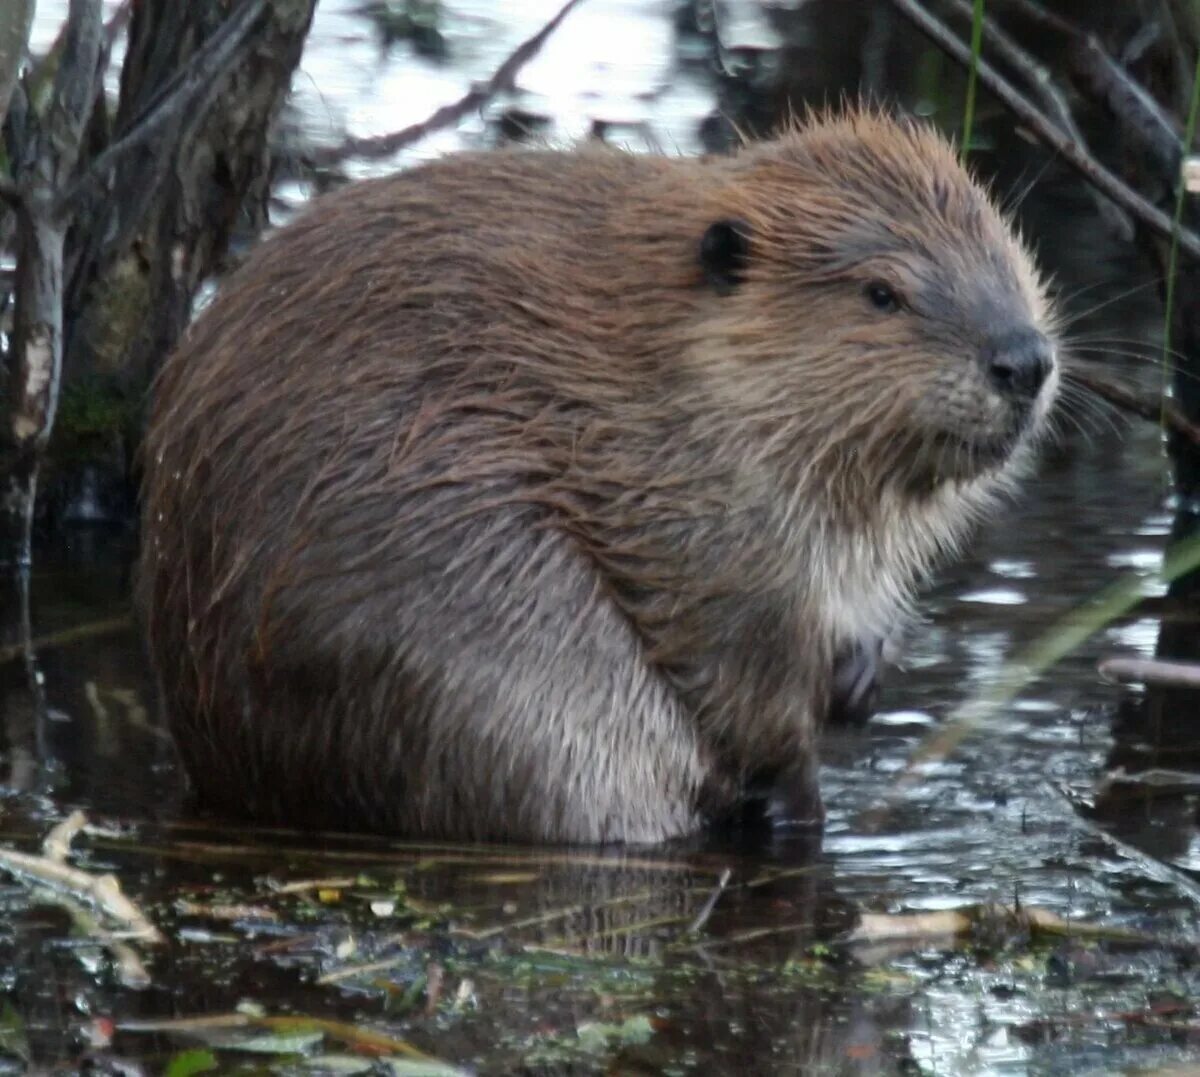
880,301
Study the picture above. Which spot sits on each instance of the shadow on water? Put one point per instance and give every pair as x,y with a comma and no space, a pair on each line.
727,956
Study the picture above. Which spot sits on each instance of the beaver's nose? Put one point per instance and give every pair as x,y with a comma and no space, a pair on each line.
1019,363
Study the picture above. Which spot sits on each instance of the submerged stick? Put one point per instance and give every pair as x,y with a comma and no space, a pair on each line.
1150,866
103,892
969,919
58,842
83,895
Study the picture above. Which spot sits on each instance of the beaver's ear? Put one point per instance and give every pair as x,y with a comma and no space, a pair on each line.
724,251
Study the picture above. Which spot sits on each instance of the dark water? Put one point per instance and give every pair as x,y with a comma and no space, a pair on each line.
509,960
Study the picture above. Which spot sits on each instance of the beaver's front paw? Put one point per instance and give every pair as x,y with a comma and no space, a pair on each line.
794,801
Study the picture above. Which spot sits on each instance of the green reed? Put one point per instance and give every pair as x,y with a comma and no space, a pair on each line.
972,78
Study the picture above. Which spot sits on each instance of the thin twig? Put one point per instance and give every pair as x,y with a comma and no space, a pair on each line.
348,972
1044,18
697,925
12,651
193,83
1050,133
1041,81
1108,79
1156,409
502,81
1143,117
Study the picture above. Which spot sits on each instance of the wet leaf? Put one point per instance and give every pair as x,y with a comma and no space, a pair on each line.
184,1064
278,1043
12,1033
507,877
632,1030
415,1067
338,1064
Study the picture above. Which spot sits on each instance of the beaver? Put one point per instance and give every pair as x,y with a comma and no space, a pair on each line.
534,494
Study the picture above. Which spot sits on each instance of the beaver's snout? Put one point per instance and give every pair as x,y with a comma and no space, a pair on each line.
1019,363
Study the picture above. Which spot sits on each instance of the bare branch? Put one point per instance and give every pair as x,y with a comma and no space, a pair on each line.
1150,671
1108,80
1155,409
112,31
1076,155
187,90
1041,81
502,81
75,83
118,22
1043,17
16,18
1128,99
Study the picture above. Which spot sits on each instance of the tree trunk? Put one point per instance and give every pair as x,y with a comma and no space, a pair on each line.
36,370
143,247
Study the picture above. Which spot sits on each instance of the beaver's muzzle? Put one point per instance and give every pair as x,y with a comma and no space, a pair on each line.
1018,363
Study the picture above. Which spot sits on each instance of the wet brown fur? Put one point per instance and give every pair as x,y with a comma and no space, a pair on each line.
473,510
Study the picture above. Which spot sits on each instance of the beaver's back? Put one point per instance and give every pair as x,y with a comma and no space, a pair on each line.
533,495
323,448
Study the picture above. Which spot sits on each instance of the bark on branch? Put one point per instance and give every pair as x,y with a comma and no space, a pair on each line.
41,235
189,90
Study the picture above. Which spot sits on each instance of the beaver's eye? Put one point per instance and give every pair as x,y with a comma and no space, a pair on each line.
882,296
